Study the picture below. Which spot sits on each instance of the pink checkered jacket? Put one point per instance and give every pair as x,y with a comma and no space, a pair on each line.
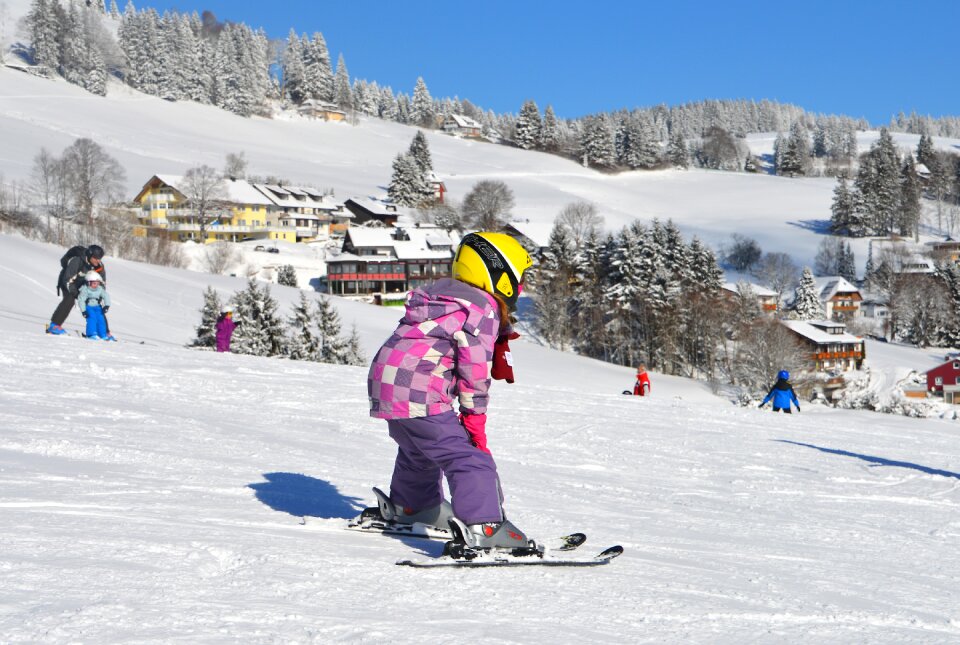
442,349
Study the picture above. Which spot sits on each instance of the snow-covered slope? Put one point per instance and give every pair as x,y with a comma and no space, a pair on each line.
148,136
151,493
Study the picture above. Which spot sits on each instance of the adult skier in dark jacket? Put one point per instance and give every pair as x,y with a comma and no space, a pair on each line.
79,262
782,394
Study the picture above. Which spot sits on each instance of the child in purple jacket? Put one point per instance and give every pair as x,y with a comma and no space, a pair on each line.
225,327
443,349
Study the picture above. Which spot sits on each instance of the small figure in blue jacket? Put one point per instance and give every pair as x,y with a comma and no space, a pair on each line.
782,394
94,301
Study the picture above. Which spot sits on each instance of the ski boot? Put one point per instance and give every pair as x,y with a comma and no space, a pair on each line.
110,337
387,517
471,540
55,329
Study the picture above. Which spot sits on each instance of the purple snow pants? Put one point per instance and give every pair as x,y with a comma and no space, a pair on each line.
431,447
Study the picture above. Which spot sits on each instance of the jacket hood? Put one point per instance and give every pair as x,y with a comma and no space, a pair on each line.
445,297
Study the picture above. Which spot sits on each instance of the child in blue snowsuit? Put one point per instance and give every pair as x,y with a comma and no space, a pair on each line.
94,302
782,394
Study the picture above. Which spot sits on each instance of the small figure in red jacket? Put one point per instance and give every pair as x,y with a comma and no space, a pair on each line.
642,386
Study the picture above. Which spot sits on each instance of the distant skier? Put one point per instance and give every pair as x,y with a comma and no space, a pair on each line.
642,386
442,348
94,302
782,394
225,327
74,266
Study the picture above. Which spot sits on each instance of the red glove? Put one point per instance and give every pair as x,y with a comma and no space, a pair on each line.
476,427
502,359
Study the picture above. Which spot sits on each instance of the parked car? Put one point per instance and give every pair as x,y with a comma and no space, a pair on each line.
273,249
259,247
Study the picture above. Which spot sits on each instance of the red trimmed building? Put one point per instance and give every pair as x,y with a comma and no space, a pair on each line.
943,375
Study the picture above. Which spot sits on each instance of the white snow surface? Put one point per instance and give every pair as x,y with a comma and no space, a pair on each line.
152,493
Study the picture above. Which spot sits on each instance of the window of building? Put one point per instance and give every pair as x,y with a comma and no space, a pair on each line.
938,380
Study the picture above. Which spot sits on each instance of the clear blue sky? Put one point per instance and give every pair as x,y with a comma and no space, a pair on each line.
869,58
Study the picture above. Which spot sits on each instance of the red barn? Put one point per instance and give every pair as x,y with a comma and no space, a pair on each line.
943,375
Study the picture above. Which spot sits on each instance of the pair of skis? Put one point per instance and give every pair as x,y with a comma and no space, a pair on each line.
456,554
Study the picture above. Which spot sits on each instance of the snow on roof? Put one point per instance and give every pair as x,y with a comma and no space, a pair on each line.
239,191
464,121
422,245
756,288
829,286
812,330
286,196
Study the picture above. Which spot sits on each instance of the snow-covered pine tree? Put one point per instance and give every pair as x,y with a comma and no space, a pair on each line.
796,157
847,265
554,292
642,149
677,151
420,152
842,218
343,94
910,192
950,332
878,187
292,69
304,343
406,182
43,30
596,143
209,313
74,56
387,104
529,129
550,134
317,68
260,331
287,276
587,301
807,304
114,10
332,347
925,150
421,108
353,353
779,148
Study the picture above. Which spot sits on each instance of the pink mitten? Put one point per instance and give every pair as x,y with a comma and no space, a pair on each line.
476,425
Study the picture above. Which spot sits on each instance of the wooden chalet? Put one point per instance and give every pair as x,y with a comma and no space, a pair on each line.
462,125
831,347
841,299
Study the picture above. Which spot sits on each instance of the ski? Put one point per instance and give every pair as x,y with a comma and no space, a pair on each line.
370,522
468,557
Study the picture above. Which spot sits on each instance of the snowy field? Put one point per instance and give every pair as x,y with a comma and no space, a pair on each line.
150,493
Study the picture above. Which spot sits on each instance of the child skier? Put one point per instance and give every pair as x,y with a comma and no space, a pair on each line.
782,394
225,327
443,348
94,302
642,386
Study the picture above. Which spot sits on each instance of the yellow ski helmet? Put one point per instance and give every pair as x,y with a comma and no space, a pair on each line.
494,262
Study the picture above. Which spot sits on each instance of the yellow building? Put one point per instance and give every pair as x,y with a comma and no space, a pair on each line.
246,214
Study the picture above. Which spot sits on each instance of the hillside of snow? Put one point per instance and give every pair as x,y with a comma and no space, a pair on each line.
151,493
150,136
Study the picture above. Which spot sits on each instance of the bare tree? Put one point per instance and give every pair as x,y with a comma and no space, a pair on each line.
218,257
743,253
487,204
778,271
580,218
446,215
235,165
719,150
206,195
764,348
93,177
48,182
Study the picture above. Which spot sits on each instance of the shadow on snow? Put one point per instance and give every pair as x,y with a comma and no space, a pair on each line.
300,495
876,461
818,226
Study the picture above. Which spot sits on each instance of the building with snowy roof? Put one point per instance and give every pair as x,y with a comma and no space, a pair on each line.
321,110
831,347
240,212
389,260
841,299
767,299
366,210
462,125
312,214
